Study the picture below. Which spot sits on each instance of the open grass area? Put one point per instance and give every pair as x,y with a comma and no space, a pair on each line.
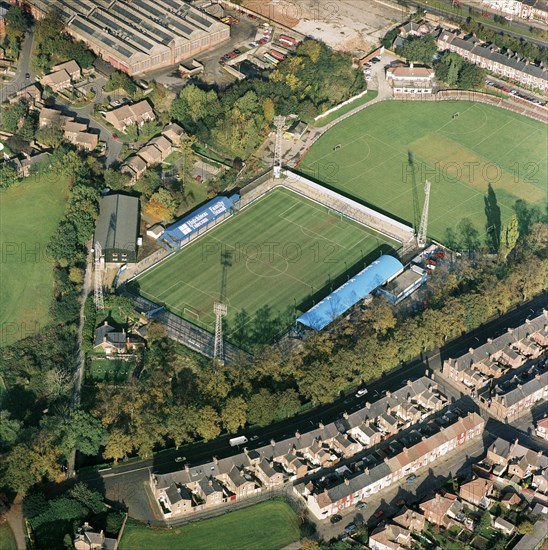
388,148
281,253
111,370
29,214
268,526
7,540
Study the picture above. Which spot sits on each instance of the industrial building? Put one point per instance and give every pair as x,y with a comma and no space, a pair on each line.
136,36
117,228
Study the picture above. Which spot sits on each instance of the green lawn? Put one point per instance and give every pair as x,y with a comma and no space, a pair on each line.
285,251
113,370
7,540
29,214
268,526
460,156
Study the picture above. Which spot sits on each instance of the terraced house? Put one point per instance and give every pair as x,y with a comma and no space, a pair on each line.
136,36
329,495
507,64
286,461
496,358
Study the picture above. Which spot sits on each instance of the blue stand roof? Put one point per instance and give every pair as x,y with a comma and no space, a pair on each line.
356,289
187,226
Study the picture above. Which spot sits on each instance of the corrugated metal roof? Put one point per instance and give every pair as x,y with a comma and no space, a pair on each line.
357,288
118,223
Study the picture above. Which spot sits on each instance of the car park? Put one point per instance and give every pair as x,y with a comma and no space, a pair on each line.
335,519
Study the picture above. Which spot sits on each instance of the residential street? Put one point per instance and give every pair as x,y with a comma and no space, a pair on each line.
120,483
23,67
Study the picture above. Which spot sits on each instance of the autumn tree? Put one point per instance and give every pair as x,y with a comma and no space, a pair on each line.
234,414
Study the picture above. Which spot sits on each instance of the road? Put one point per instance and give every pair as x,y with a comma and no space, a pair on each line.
121,482
484,21
20,80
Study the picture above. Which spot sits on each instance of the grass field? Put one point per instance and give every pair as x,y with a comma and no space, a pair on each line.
268,526
285,251
7,540
29,214
459,155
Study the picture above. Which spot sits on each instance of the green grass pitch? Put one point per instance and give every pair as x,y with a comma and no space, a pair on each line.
285,251
459,146
29,214
268,526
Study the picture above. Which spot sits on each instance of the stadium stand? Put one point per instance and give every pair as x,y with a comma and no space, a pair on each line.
200,221
343,298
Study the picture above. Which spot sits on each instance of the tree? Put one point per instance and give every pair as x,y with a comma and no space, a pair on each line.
208,424
90,499
261,408
181,424
161,205
8,176
471,77
118,445
509,238
468,235
84,433
9,430
525,527
119,80
11,117
114,179
16,19
419,49
288,403
234,414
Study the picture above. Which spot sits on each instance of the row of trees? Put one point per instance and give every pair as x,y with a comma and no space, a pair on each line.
38,431
237,119
16,23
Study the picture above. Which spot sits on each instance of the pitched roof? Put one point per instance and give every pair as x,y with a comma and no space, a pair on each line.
118,223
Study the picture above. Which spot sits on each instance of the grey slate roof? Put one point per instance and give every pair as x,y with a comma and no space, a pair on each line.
471,45
118,223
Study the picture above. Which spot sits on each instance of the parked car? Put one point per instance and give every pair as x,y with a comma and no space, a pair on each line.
27,75
180,459
335,519
379,513
350,528
237,52
361,506
361,392
411,479
115,136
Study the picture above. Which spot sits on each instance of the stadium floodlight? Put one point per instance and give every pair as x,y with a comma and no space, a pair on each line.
421,237
279,121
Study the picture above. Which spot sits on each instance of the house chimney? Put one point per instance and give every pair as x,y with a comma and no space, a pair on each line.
411,65
215,460
271,463
321,425
386,459
520,386
490,340
470,350
298,434
105,323
366,471
241,473
345,415
273,442
409,382
187,469
368,405
388,394
346,481
367,421
210,482
104,339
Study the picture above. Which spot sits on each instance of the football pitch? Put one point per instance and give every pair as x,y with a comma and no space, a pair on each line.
378,155
278,256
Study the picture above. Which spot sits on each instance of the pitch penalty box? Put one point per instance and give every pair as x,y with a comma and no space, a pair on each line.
265,252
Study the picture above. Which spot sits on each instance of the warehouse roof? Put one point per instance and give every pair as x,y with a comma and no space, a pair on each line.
357,288
118,223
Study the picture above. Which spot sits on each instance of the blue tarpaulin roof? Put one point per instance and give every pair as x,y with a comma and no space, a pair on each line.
185,227
357,288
